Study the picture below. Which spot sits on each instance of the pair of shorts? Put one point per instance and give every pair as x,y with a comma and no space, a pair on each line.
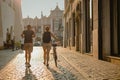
28,46
47,46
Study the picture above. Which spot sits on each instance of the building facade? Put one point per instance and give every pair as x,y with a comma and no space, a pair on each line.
56,16
54,21
10,20
106,24
77,26
92,26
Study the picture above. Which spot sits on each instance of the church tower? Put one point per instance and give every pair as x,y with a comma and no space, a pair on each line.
41,14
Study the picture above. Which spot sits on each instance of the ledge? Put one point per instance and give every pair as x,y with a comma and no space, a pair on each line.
114,60
89,54
113,57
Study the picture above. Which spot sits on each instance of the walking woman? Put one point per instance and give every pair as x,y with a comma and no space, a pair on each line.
47,44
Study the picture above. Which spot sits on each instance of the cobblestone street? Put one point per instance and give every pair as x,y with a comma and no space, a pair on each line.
16,70
71,66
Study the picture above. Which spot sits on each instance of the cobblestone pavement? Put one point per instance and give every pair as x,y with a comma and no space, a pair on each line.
16,70
90,68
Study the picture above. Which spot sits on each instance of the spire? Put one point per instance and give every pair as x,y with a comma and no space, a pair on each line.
57,3
41,14
27,16
57,7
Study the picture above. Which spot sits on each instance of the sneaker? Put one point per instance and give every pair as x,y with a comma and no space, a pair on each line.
28,65
47,65
43,62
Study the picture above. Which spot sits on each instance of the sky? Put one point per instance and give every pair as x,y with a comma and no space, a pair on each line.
33,8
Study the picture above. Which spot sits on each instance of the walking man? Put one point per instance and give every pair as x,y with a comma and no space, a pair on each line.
47,44
28,36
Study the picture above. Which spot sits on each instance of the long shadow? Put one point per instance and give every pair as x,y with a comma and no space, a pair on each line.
29,75
6,56
64,74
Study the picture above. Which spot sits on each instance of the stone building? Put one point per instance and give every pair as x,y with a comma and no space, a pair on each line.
54,21
77,25
56,16
106,26
10,19
92,27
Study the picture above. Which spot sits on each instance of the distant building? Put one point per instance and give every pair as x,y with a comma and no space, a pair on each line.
54,21
56,18
10,19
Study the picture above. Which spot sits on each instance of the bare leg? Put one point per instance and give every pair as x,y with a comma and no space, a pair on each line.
26,56
48,56
29,57
44,56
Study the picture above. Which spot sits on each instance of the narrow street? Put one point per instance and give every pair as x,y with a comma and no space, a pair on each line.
71,66
16,70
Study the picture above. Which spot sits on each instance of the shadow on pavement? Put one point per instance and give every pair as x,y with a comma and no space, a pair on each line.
29,75
62,74
6,56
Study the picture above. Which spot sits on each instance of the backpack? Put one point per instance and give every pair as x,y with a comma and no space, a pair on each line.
46,37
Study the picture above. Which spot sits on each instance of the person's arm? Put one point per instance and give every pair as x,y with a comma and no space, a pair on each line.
54,36
33,34
22,35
